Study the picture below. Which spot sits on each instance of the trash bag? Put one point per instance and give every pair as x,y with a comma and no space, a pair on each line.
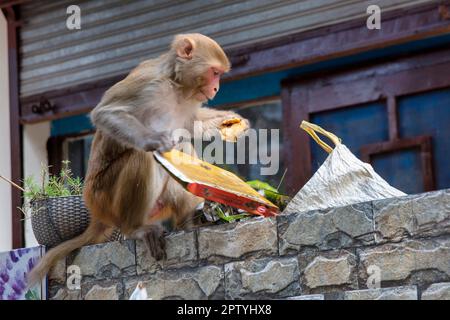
140,293
342,179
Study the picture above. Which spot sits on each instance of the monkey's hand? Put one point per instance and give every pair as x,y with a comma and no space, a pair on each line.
228,124
161,142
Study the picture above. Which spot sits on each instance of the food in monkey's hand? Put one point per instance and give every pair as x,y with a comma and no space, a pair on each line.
232,129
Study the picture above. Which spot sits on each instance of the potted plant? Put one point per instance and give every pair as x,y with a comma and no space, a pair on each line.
56,206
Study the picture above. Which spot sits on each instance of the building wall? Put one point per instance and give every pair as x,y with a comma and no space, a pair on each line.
34,150
115,35
35,156
5,159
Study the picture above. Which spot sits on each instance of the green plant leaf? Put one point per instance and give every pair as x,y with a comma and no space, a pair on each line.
61,185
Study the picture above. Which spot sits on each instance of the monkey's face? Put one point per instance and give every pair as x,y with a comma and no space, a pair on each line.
200,62
210,83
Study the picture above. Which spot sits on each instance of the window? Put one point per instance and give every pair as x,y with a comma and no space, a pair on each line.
77,150
74,148
266,116
385,113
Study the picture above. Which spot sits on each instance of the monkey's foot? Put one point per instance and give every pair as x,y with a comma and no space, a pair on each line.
155,241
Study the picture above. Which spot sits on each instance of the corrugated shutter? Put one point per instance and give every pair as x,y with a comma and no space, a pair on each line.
116,35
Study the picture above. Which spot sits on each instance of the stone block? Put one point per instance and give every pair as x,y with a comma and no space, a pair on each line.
437,291
65,294
426,214
256,237
262,278
98,292
397,293
326,229
307,297
328,271
106,260
411,262
187,284
180,250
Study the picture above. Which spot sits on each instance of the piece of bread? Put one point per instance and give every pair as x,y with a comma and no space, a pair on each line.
231,129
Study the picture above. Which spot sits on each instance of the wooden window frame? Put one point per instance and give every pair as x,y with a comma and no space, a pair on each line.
386,81
424,143
13,22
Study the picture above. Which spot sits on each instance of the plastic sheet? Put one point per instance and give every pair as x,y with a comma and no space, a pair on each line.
342,179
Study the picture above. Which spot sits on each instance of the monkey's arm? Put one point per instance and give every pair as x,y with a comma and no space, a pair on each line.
212,120
120,124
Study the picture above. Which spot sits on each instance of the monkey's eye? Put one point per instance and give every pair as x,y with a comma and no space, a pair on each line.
215,72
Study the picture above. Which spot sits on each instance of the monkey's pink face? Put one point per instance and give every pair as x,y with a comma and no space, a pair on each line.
211,84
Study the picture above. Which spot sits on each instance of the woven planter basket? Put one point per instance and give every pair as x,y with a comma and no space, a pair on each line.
58,219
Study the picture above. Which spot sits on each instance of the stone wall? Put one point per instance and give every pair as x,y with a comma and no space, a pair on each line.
337,253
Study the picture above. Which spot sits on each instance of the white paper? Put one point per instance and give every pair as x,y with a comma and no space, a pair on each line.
342,180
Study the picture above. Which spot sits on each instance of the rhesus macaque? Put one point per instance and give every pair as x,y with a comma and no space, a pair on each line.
125,187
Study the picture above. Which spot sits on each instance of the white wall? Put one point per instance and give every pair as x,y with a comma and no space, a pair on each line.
34,150
34,155
5,155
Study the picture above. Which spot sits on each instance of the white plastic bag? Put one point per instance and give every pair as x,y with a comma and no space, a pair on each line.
342,179
140,293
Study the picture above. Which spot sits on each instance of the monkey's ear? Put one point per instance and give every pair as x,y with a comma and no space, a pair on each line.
185,47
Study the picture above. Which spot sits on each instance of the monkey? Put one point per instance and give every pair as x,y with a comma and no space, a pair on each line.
125,187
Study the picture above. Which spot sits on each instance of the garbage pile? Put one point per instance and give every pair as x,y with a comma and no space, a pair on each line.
213,212
341,180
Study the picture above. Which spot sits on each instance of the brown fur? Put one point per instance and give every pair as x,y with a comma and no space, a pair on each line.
124,183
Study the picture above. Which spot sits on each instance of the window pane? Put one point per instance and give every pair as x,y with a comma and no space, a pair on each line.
429,114
76,150
268,150
356,126
402,169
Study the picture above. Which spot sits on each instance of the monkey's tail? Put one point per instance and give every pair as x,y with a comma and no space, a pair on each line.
62,250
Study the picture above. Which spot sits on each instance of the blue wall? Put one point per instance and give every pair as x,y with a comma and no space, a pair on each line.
71,125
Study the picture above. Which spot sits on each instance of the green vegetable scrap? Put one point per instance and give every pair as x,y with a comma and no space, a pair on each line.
230,218
260,185
270,193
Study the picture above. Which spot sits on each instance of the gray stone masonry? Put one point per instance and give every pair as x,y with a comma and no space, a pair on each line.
395,248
